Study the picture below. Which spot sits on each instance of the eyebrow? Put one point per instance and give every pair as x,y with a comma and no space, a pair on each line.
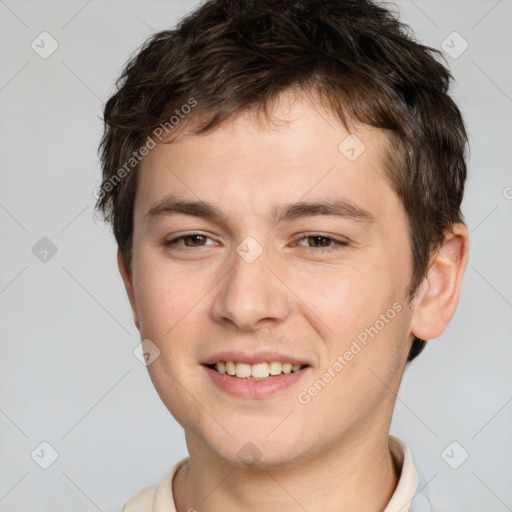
339,208
171,204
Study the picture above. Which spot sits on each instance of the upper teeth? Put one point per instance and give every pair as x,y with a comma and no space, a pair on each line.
257,371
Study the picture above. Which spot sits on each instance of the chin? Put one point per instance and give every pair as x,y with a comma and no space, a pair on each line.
256,451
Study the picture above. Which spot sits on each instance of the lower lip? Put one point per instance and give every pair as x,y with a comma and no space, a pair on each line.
254,389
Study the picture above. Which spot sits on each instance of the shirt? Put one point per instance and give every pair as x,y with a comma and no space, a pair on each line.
159,497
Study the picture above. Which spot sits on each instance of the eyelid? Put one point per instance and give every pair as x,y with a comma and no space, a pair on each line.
339,242
322,235
179,236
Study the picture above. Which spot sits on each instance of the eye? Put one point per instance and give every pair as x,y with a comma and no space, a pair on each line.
190,240
320,241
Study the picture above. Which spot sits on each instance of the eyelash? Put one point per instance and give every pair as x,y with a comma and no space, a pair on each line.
338,244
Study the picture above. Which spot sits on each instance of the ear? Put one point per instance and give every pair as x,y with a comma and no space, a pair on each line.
437,299
127,276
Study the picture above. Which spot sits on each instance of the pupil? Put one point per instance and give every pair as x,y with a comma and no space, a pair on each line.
194,239
318,239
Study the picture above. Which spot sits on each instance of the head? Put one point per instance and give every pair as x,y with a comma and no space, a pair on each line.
218,129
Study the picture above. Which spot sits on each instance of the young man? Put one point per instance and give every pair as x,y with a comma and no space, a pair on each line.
284,181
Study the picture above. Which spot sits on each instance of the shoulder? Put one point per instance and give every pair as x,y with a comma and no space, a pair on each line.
143,501
155,498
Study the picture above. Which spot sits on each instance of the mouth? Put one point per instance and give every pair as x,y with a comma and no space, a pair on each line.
257,371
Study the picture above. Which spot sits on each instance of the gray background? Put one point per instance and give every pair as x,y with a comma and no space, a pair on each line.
68,375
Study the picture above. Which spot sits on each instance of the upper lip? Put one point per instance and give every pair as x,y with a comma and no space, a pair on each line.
254,357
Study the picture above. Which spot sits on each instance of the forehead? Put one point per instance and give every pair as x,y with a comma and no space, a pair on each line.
248,164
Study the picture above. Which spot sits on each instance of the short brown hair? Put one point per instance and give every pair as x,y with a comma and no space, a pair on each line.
229,56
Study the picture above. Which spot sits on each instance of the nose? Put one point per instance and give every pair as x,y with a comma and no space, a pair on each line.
251,295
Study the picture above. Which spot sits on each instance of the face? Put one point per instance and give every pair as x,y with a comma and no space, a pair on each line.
270,242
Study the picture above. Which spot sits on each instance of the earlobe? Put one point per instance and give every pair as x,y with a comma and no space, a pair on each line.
439,293
127,277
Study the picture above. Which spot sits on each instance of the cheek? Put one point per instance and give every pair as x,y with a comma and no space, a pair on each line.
173,311
163,294
344,300
359,310
367,357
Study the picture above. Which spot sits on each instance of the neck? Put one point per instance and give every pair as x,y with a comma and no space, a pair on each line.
354,475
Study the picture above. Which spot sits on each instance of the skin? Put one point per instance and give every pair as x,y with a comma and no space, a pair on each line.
192,302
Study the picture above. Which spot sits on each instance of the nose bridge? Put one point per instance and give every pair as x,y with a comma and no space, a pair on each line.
250,292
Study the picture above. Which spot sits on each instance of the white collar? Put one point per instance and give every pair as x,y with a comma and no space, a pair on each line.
405,491
159,497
